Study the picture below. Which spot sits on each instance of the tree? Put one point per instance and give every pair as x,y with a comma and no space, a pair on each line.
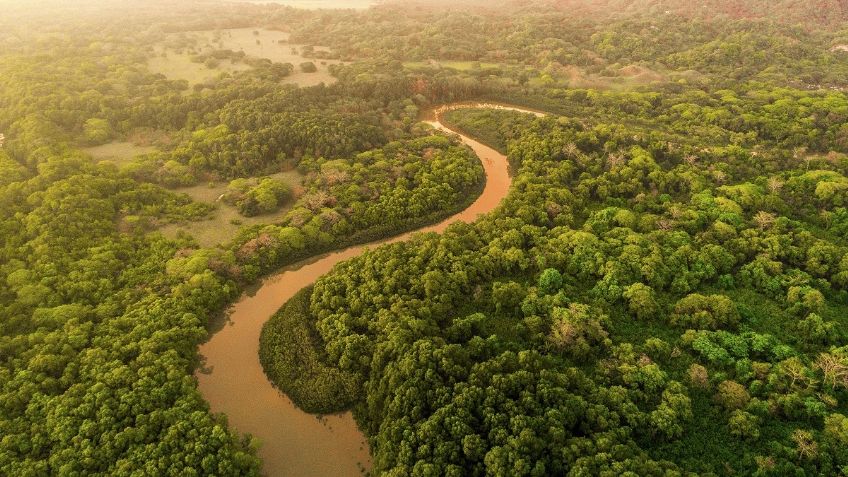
97,131
699,376
550,281
836,429
507,296
577,330
744,425
705,312
764,219
673,412
834,367
803,300
807,446
641,301
732,395
814,330
252,198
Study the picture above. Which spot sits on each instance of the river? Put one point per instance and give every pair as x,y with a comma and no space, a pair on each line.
295,443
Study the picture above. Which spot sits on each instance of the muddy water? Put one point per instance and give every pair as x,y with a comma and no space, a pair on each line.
295,443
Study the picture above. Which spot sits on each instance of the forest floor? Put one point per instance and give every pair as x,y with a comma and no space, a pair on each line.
225,222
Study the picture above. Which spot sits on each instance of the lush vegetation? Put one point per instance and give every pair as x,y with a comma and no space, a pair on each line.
628,308
101,315
378,193
663,292
258,196
294,360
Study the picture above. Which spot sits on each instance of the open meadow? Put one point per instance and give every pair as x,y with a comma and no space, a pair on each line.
273,45
225,222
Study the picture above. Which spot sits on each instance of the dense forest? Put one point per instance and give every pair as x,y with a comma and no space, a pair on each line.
663,292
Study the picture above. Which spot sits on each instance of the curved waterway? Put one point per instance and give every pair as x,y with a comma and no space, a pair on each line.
295,443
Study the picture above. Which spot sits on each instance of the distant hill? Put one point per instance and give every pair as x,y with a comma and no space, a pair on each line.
831,13
821,12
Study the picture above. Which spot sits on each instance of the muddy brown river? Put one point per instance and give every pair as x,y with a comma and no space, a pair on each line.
295,443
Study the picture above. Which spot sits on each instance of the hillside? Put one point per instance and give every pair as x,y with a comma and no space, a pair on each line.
830,13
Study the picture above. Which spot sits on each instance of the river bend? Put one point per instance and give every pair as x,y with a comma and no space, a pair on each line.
232,380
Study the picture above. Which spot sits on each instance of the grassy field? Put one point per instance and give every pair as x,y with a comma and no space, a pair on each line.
177,66
118,152
257,43
622,79
226,221
456,65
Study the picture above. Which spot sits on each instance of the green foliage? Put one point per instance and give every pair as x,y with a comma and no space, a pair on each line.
550,281
506,296
641,301
493,127
744,425
705,312
690,254
97,315
576,332
257,197
732,395
374,194
291,353
97,131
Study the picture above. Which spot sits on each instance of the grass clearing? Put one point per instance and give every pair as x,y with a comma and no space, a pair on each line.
176,66
118,152
254,42
223,225
456,65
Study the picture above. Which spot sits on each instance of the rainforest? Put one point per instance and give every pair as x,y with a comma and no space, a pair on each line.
424,238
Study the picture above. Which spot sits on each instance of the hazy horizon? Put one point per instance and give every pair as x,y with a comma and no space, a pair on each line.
315,4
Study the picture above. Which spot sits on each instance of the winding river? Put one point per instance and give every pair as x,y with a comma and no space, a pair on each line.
295,443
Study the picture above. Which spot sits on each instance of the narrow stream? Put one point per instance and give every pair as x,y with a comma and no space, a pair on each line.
295,443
